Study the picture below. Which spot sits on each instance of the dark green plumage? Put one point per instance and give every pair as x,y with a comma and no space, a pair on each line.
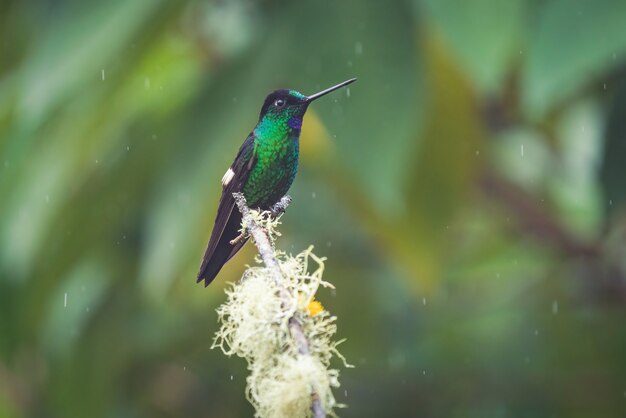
263,170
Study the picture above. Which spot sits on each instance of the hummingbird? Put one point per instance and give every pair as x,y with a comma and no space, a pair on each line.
263,170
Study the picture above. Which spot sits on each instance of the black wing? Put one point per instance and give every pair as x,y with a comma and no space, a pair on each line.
228,219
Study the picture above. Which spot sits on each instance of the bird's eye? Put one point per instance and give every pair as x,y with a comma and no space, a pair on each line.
279,103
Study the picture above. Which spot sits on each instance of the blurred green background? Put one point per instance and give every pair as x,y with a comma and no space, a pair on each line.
469,192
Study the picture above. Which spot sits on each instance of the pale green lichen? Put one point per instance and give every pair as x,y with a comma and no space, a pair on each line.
255,325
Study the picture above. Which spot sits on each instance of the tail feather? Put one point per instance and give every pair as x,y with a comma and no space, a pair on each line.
216,256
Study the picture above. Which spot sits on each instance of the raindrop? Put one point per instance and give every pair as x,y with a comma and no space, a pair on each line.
424,372
424,301
477,152
610,202
65,300
146,83
347,91
358,48
185,368
313,195
345,392
349,63
328,244
231,377
127,147
522,150
47,198
555,307
536,332
103,74
604,86
97,162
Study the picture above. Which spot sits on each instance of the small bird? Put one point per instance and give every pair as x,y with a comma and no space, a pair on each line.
263,171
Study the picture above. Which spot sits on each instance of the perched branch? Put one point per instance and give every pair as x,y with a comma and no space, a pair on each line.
268,255
271,318
261,238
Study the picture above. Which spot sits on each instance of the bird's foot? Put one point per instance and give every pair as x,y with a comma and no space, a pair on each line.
280,207
239,238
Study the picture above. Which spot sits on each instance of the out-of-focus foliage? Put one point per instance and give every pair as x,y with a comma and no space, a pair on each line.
469,191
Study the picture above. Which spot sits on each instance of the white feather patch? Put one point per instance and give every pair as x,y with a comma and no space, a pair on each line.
228,176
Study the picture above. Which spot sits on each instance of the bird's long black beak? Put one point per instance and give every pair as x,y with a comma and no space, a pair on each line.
312,97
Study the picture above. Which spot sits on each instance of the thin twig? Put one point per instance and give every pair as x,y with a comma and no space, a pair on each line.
268,255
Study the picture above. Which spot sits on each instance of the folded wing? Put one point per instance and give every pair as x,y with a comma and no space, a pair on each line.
228,219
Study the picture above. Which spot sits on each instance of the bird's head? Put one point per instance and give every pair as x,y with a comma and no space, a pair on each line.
289,106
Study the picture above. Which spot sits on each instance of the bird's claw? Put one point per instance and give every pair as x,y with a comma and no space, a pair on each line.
238,239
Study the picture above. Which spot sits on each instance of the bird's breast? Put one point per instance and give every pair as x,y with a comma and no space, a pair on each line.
273,173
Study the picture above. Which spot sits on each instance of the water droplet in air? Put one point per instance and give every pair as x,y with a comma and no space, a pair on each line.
146,83
347,91
313,195
47,198
424,301
555,307
231,377
103,74
522,150
65,300
358,48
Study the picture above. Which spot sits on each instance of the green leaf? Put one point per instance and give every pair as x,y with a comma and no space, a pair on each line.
613,171
445,169
574,41
484,35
